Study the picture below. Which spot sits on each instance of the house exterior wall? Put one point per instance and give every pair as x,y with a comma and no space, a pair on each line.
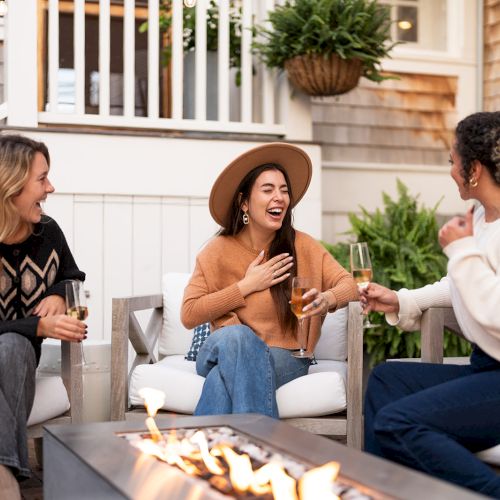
491,57
398,129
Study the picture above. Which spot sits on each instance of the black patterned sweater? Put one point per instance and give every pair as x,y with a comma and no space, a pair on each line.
30,271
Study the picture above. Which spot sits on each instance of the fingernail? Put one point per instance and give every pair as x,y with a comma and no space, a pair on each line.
261,252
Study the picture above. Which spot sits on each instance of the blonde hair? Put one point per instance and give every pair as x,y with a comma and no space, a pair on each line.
16,157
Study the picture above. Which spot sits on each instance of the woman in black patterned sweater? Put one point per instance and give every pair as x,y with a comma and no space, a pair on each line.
35,260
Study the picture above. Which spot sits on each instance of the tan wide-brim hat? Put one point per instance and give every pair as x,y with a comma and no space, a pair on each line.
294,160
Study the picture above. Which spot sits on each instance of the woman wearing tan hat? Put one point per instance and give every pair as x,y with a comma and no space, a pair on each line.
242,283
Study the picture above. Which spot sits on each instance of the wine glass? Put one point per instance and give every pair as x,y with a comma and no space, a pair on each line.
76,306
361,268
299,287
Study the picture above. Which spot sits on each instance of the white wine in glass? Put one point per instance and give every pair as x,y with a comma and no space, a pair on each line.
76,306
361,269
299,287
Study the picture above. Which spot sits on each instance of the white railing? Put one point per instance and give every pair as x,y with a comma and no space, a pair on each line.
249,108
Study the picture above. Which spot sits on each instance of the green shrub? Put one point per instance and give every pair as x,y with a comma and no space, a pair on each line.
405,253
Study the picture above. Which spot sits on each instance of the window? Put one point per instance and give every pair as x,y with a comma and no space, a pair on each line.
419,23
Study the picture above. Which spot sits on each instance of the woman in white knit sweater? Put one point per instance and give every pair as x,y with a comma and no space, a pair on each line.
434,417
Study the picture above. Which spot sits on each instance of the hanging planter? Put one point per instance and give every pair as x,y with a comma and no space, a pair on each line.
325,46
317,75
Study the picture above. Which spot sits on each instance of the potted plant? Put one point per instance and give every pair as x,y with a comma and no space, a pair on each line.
189,31
403,242
326,45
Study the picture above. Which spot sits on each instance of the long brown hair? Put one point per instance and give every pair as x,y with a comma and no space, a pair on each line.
283,242
16,157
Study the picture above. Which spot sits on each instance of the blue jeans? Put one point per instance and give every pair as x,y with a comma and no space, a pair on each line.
17,391
434,417
242,373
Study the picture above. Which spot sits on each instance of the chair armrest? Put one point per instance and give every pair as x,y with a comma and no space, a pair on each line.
354,392
434,321
72,375
125,328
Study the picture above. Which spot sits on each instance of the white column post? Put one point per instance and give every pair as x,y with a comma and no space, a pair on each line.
294,111
21,85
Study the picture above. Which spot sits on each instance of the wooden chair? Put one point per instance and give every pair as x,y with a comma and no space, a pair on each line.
126,328
434,321
72,377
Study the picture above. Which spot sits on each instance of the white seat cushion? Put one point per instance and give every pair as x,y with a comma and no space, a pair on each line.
51,400
173,375
319,393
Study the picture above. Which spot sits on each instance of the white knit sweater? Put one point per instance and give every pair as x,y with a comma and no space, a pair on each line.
472,287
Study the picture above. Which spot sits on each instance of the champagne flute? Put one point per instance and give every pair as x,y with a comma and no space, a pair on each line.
76,306
361,268
299,287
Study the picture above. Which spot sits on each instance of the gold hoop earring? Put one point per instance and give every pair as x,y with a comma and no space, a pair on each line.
473,182
245,218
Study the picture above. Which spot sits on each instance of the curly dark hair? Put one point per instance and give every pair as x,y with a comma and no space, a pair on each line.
284,240
478,138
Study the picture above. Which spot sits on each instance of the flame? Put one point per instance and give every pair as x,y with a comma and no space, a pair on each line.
213,465
316,483
283,486
190,454
240,468
153,429
153,399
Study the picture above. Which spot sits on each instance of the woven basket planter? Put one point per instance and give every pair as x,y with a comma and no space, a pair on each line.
319,76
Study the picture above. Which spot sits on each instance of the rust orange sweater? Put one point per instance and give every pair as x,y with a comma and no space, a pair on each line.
212,293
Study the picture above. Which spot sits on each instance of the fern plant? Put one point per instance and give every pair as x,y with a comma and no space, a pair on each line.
350,28
405,253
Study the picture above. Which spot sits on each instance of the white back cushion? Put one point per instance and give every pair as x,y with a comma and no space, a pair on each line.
174,338
332,343
51,400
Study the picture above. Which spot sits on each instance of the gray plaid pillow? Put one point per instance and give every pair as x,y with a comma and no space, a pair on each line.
200,334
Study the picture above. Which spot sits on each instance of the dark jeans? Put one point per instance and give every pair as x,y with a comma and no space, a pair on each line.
242,373
434,417
17,391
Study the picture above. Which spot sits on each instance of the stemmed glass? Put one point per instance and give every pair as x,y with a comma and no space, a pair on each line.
76,306
299,287
361,268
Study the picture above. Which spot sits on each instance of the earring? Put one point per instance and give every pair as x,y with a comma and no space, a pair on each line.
245,218
473,182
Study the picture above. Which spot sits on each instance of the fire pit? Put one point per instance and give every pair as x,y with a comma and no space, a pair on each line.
99,461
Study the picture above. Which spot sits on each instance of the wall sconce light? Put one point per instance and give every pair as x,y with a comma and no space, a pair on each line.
405,25
189,3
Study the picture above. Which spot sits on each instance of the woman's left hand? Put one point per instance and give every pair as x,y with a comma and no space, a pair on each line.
50,306
456,228
319,303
